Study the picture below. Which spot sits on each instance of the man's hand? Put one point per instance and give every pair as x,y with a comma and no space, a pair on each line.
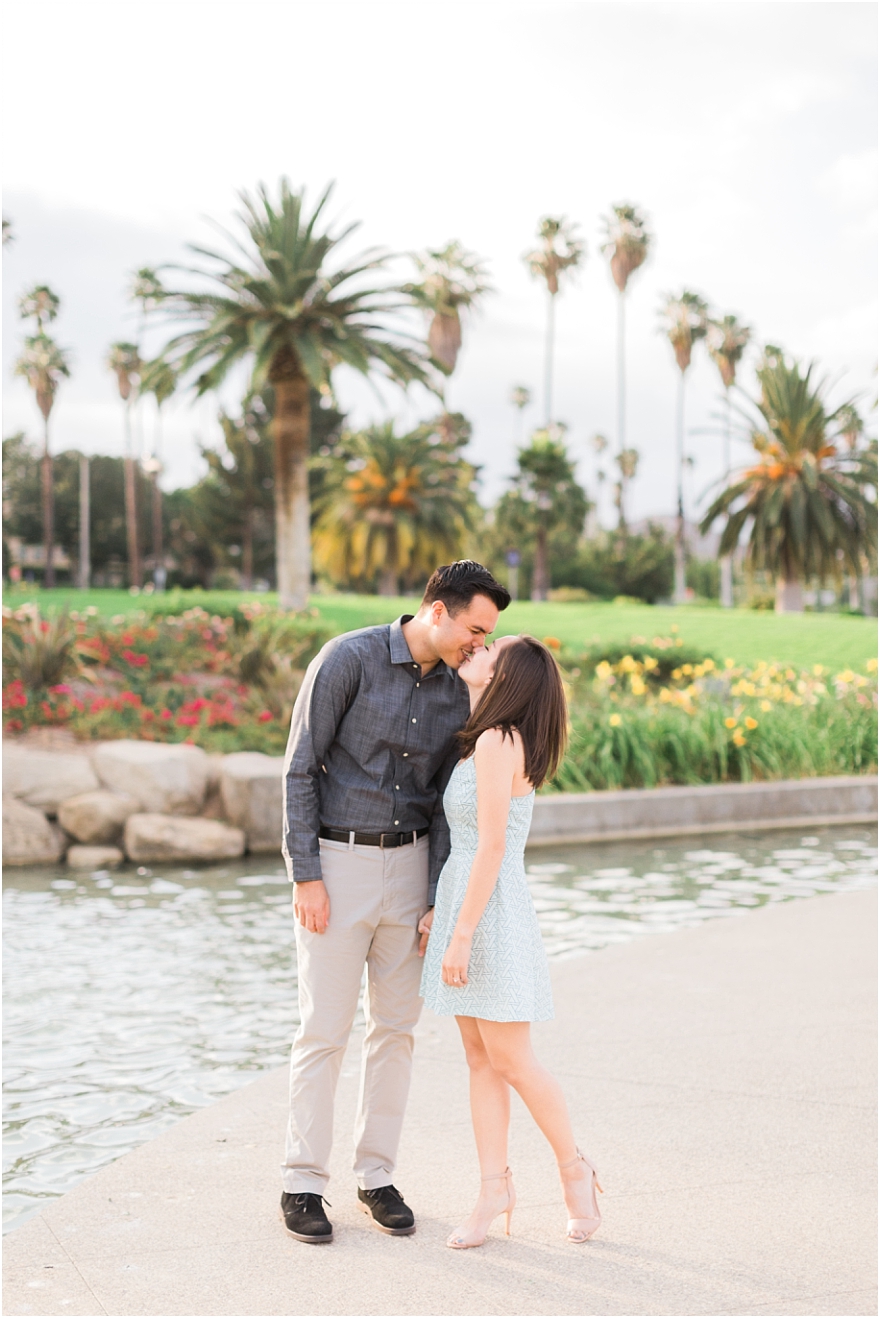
425,929
312,905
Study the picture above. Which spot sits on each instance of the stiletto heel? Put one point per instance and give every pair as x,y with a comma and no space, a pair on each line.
580,1229
459,1240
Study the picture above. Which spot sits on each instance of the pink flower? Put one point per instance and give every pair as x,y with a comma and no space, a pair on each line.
61,690
265,717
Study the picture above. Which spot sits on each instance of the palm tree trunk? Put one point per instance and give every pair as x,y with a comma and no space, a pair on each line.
540,583
48,497
621,400
158,551
548,360
291,425
85,554
247,549
726,560
135,572
680,586
388,581
789,594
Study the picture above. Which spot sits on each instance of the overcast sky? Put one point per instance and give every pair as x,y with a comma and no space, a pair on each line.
747,131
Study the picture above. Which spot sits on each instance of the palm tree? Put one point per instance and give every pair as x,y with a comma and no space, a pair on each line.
806,497
727,340
545,498
158,379
685,321
559,250
277,303
453,280
43,364
520,396
627,243
627,465
40,304
394,505
125,362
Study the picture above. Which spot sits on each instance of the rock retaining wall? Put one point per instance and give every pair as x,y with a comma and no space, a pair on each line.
148,802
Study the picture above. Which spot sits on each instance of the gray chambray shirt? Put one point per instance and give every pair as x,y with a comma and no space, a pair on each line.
372,745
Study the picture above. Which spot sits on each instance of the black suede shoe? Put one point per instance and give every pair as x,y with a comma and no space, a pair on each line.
388,1211
304,1218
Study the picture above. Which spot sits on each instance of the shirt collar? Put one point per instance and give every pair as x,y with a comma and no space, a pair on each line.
400,651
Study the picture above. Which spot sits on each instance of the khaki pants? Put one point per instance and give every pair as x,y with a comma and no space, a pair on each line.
376,901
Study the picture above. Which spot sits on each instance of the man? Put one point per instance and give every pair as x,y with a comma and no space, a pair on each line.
372,745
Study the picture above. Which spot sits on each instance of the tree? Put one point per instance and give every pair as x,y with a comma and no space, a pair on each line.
520,396
44,365
394,505
685,321
236,498
627,243
125,362
280,304
807,498
727,340
453,280
158,379
545,498
559,250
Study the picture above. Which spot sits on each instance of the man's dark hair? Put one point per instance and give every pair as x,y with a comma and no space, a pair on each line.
456,584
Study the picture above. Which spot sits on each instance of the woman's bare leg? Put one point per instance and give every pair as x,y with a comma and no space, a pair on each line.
490,1114
508,1047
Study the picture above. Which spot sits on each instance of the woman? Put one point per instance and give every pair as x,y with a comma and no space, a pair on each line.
485,963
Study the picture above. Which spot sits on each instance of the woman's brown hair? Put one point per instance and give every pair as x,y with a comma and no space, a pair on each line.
525,694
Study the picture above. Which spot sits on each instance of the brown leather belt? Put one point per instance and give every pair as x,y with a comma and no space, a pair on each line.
383,840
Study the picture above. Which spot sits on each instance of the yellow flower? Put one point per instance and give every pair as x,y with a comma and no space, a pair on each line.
603,670
766,706
553,642
687,669
650,663
738,738
676,674
730,722
790,674
615,720
871,665
638,686
751,723
730,663
708,665
818,670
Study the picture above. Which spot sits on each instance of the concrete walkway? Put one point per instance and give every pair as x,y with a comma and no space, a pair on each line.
723,1078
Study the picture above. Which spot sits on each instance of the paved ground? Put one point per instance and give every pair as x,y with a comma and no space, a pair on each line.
723,1078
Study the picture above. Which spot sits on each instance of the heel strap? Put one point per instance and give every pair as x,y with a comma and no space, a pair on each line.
499,1176
578,1157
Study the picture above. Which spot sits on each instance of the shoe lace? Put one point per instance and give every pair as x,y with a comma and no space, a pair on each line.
386,1192
301,1201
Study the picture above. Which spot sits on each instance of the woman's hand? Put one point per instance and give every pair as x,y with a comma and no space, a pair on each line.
455,963
425,930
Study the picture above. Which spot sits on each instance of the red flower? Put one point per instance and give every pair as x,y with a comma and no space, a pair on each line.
136,660
166,714
129,698
14,725
187,720
265,717
44,627
61,690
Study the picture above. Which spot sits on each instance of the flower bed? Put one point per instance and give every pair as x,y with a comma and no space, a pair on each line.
223,683
652,712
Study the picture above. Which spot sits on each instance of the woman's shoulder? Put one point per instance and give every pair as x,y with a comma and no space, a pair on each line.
498,743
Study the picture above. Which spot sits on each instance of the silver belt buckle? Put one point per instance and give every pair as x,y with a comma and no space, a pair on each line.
382,837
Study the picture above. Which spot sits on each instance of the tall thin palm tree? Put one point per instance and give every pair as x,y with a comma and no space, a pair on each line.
727,340
44,365
158,379
520,396
685,322
558,250
545,497
393,505
809,499
627,244
125,362
283,304
452,280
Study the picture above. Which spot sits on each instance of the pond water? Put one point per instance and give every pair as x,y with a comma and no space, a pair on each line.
133,998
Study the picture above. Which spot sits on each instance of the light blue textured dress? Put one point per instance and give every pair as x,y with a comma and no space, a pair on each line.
508,976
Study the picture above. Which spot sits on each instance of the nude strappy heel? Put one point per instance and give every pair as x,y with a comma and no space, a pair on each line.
580,1229
457,1241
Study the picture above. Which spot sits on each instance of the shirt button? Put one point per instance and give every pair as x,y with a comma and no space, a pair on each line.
405,754
415,720
396,788
418,684
397,821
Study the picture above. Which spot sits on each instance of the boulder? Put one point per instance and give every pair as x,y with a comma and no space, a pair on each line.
94,858
28,837
43,778
253,797
96,817
155,837
166,780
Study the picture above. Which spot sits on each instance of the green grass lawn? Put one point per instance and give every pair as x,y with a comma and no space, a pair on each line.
836,640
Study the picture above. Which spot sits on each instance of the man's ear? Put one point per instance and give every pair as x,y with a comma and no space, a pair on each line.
438,610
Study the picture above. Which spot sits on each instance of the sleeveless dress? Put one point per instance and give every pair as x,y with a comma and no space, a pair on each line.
508,976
